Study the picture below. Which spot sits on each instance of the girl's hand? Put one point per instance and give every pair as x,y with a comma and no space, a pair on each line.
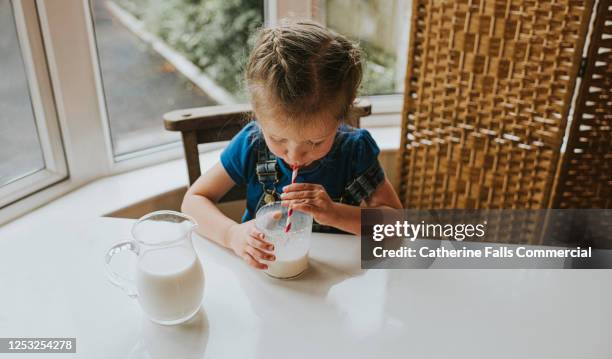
250,244
310,198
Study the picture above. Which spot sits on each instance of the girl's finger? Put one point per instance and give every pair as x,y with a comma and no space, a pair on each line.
253,232
299,194
258,254
294,202
270,219
259,243
277,215
252,262
300,187
306,208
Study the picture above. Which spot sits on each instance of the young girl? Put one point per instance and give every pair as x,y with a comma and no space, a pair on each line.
302,79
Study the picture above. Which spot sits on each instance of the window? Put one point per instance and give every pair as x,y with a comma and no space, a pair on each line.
31,156
381,28
158,56
20,151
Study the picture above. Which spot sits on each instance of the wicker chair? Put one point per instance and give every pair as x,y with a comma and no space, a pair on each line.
488,91
585,173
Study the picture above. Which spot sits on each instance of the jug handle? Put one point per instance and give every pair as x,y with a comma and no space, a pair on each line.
129,286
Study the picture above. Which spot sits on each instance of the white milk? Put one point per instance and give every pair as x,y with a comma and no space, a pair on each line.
170,284
291,251
287,268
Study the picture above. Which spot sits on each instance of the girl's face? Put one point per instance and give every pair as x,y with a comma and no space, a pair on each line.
299,146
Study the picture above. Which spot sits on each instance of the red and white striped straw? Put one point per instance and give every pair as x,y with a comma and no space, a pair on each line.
290,211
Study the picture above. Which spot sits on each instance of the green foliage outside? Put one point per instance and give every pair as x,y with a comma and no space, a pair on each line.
212,34
379,72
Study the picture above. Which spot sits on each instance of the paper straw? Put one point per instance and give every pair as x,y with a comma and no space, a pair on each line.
290,211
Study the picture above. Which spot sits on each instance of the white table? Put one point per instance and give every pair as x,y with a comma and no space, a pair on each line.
53,284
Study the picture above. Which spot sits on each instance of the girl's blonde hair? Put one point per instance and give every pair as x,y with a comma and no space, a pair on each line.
303,68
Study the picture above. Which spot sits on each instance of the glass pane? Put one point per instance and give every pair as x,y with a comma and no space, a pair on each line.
381,27
140,84
20,151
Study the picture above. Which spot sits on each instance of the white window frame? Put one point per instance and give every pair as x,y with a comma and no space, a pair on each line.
135,159
69,97
41,96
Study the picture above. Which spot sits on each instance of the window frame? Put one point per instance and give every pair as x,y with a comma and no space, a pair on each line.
43,108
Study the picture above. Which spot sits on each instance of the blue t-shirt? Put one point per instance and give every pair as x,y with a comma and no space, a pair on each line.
352,153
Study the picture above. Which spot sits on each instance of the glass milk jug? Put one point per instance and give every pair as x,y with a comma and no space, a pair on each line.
169,282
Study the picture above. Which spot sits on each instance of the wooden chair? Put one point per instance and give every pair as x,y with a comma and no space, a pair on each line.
221,123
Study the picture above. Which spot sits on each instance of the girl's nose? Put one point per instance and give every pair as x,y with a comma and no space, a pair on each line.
296,156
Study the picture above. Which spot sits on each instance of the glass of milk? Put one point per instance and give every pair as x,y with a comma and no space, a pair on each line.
291,248
169,280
